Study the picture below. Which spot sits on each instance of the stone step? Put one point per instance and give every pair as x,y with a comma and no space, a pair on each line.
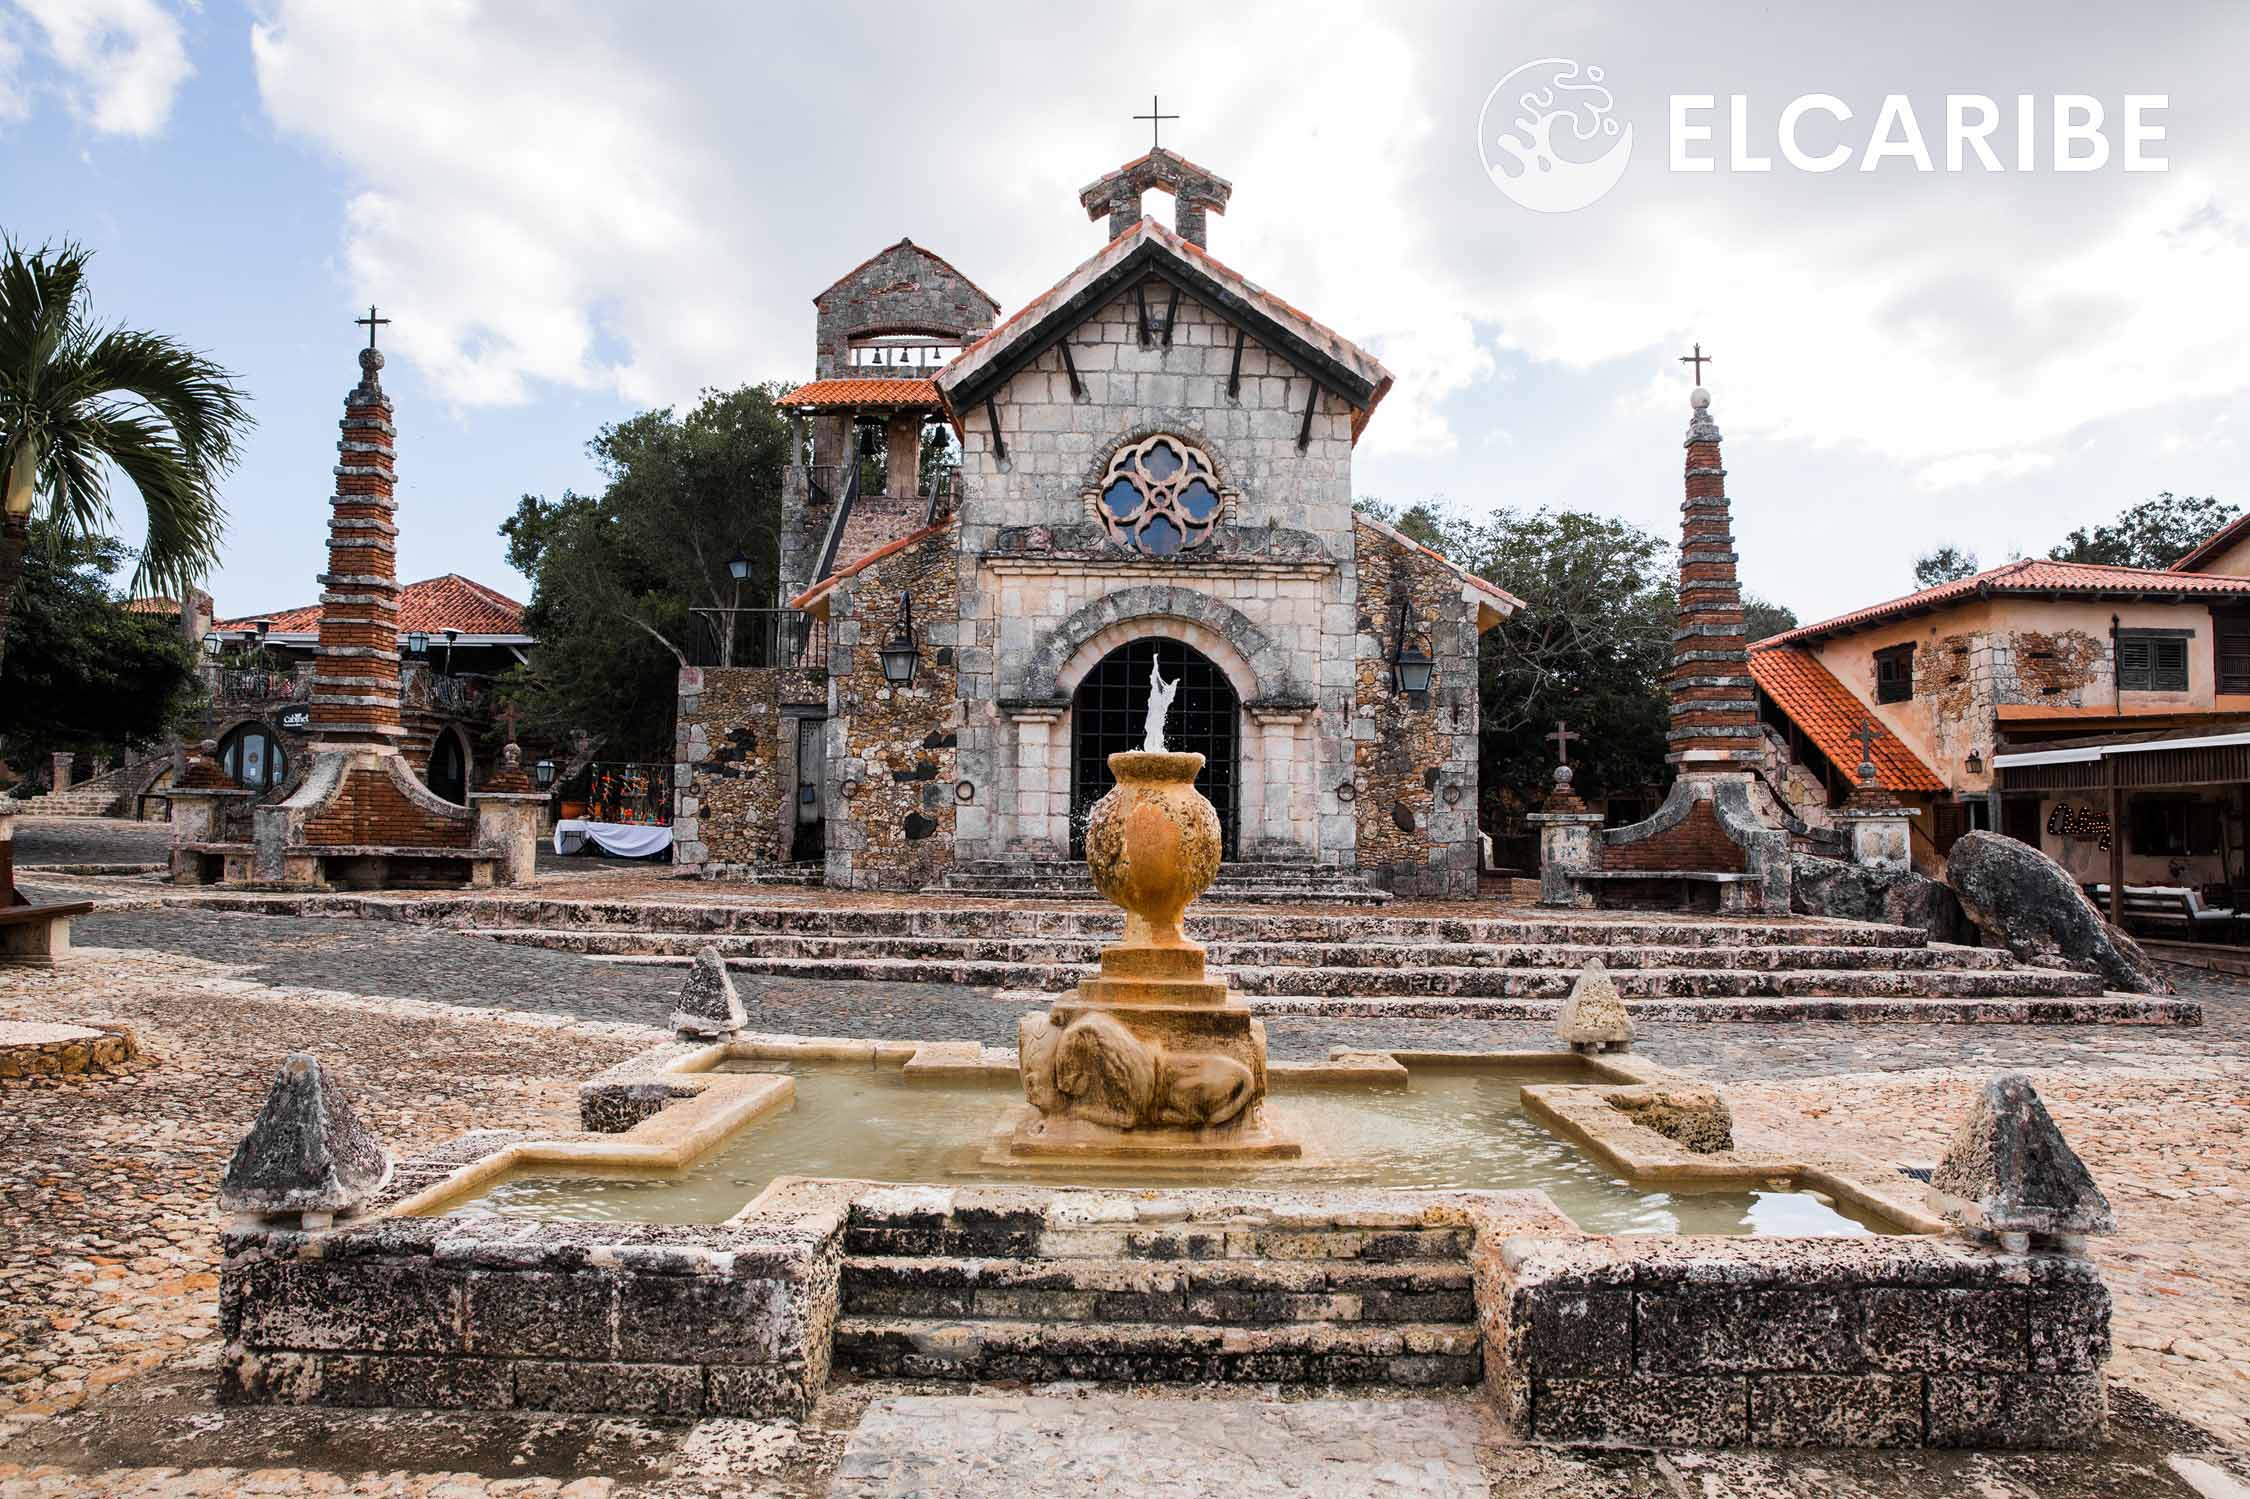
1462,983
1399,1353
1092,923
1219,894
1074,957
1244,1292
1026,1237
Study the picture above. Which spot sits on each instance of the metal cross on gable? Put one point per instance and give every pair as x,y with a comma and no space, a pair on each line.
1867,734
370,322
1156,121
1562,736
1698,359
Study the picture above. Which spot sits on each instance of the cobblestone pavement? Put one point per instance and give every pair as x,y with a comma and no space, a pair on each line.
108,1228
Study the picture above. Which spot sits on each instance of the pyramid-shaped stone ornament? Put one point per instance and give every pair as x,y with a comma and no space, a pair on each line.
709,1009
1593,1018
307,1154
2010,1174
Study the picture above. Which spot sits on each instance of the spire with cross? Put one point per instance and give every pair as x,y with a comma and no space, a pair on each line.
371,322
1698,359
1562,736
1867,734
1156,118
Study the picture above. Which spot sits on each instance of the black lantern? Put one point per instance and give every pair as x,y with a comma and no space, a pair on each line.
214,643
545,772
1976,763
902,653
738,566
1410,663
417,644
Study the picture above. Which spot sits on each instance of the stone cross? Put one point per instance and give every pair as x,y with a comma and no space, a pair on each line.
1155,123
1698,359
507,716
1866,734
370,322
1562,736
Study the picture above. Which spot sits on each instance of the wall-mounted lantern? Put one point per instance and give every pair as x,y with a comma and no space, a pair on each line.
1976,763
544,773
1410,661
214,643
902,653
417,644
738,566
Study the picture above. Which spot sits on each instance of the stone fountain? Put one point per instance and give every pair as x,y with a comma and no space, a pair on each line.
1153,1060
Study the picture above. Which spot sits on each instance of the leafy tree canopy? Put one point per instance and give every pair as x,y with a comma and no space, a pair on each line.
2155,533
1945,564
87,675
614,576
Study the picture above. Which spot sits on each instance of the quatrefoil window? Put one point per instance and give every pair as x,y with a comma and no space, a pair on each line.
1160,496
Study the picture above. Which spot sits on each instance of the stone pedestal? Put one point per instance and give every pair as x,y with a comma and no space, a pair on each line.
1152,1059
1566,845
508,825
1879,836
199,813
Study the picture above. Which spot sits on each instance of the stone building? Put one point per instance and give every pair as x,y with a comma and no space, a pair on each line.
1154,466
2100,713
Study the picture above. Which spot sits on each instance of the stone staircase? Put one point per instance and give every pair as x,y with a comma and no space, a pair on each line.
935,1291
1371,964
106,795
1250,882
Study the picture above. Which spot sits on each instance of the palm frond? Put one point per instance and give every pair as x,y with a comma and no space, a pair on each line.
185,519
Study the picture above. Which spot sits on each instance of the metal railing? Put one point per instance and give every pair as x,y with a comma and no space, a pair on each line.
788,638
238,686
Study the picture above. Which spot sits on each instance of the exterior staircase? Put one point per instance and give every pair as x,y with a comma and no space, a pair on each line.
1374,964
1240,882
1000,1296
106,795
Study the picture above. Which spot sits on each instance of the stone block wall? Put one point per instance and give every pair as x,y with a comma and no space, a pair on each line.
1414,769
632,1319
735,766
902,289
893,752
1794,1342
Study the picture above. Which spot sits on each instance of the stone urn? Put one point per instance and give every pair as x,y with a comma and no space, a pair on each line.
1153,843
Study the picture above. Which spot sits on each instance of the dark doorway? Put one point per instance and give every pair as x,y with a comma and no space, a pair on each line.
1109,712
449,768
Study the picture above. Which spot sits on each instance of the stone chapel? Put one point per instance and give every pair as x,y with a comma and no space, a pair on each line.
1154,465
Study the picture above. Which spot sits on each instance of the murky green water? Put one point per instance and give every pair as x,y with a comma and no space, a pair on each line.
1446,1128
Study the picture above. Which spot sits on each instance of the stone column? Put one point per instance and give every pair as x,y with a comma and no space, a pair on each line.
1877,823
1034,799
1284,823
60,767
508,820
902,448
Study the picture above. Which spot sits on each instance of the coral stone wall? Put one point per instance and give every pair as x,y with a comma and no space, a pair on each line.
369,809
893,757
735,772
1414,770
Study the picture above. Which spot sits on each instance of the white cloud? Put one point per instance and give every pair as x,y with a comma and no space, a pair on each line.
1980,468
15,104
121,61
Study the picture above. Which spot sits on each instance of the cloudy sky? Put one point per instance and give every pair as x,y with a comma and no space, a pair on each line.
575,210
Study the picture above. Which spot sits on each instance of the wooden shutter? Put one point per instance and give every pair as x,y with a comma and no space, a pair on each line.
2230,631
2134,666
2168,665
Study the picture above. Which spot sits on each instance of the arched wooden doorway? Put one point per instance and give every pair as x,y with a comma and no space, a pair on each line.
1109,712
449,767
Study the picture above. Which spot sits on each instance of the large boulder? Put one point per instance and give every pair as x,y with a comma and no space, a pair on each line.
2029,904
1867,892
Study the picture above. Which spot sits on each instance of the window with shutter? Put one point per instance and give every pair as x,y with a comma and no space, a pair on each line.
2231,635
1894,674
2153,660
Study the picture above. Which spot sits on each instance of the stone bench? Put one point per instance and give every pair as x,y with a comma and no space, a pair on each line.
38,936
1732,891
377,866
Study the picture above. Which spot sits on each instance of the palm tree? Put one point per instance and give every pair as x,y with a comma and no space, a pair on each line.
78,398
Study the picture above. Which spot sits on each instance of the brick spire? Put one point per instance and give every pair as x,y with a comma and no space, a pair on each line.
1714,706
355,674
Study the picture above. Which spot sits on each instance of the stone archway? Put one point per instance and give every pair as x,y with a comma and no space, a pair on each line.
1108,712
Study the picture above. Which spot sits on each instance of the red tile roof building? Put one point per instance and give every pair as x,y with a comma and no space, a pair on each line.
1796,683
430,607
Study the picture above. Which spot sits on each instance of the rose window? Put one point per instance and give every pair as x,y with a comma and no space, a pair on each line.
1159,497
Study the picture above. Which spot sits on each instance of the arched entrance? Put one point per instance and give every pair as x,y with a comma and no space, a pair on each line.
449,768
1109,712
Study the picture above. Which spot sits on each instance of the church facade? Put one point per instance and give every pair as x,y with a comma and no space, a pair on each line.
1154,468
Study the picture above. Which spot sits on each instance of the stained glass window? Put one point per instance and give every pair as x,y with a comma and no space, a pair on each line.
1160,496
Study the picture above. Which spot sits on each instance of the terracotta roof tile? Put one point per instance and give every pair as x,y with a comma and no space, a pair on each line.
429,607
1829,715
2032,576
863,393
2218,541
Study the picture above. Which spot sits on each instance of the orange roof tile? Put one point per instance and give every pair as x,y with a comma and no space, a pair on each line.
155,603
429,607
2032,577
1829,715
863,393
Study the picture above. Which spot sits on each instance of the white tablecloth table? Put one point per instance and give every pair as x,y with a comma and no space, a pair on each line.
628,840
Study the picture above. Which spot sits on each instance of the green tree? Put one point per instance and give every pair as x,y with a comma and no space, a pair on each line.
2155,533
78,398
87,675
615,576
1762,617
1944,564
